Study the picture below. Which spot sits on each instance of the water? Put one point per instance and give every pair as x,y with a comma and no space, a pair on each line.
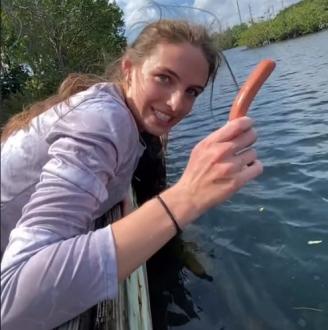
251,263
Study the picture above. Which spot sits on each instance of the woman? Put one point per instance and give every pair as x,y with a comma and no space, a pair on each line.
71,158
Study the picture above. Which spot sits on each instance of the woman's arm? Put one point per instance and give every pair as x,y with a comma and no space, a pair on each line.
55,266
48,277
217,168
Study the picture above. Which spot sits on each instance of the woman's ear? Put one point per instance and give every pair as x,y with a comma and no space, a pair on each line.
126,66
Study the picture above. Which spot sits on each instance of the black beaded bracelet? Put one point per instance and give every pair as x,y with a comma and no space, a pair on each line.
178,229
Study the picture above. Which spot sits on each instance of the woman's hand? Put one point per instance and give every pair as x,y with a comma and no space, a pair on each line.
220,165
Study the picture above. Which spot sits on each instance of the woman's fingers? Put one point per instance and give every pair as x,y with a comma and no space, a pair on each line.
221,164
246,158
223,151
237,145
250,172
244,141
230,130
234,165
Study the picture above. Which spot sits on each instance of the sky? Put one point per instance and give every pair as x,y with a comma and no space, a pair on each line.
225,10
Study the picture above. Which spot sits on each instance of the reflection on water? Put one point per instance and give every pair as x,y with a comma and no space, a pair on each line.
251,263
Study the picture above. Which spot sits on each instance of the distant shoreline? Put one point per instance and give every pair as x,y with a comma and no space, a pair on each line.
303,18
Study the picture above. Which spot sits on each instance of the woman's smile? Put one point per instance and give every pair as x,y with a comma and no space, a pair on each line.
162,116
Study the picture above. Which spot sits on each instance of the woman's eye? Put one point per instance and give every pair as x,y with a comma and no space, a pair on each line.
193,92
162,78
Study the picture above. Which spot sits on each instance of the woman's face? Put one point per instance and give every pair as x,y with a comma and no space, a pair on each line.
161,90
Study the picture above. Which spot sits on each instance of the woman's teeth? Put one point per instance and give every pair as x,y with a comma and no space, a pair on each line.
162,116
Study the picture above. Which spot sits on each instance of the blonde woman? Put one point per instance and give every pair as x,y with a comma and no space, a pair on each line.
71,158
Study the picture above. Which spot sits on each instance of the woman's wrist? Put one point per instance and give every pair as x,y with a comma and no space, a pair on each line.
180,205
170,214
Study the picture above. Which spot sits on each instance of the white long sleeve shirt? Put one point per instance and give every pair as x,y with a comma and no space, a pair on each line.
72,164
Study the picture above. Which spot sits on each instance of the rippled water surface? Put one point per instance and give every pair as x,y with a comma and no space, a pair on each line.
260,261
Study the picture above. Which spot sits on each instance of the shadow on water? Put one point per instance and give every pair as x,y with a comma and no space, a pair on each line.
172,303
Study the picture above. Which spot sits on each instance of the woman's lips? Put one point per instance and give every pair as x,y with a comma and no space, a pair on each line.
162,117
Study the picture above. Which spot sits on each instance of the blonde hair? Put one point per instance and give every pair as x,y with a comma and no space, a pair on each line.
171,31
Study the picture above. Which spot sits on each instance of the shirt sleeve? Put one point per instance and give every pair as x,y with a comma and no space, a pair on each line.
55,267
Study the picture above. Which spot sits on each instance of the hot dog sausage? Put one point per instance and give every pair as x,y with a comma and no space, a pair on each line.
250,88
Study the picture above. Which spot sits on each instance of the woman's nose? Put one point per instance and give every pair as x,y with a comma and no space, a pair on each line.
175,100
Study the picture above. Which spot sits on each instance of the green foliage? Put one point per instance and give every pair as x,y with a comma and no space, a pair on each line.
54,38
305,17
13,103
229,38
258,34
12,79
